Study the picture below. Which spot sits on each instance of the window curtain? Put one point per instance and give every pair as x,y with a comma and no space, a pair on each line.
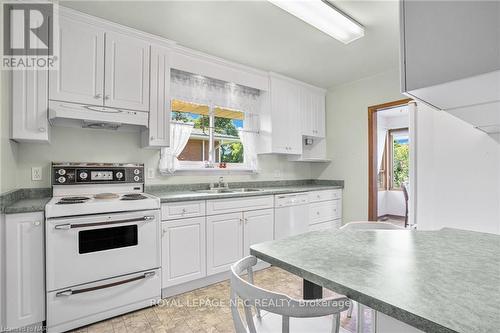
249,141
203,90
179,136
381,140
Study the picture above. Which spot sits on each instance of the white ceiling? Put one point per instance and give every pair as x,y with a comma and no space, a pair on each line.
259,34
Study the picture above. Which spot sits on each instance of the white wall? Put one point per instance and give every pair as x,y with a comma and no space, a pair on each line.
458,174
70,144
391,203
347,136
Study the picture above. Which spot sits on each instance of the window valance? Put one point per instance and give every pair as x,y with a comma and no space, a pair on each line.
204,90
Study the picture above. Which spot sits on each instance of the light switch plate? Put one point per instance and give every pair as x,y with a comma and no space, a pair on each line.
36,173
151,173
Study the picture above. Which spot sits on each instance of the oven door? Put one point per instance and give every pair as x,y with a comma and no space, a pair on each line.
95,247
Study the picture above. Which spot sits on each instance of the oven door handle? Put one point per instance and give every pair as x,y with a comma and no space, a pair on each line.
68,226
69,292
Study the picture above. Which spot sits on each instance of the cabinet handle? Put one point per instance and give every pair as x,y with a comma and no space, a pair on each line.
183,210
106,97
36,223
97,96
41,129
241,220
246,220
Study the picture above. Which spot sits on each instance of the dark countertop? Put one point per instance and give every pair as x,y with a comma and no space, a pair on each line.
27,206
25,200
190,195
436,281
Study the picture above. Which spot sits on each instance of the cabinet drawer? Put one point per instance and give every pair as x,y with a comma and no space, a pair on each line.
179,210
325,195
324,211
222,206
328,225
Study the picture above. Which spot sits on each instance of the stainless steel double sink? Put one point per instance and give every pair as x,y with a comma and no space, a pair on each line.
230,190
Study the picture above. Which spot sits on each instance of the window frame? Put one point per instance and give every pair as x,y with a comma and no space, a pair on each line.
390,158
200,165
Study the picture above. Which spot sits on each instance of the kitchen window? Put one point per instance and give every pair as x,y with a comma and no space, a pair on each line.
214,125
214,139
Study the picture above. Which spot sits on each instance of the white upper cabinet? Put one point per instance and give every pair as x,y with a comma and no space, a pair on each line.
158,133
450,54
29,106
285,116
80,78
100,67
312,111
126,72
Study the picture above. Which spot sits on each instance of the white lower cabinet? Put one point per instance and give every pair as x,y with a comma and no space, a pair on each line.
183,251
229,236
25,269
224,241
258,228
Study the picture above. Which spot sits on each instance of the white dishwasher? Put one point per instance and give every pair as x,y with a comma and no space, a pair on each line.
291,214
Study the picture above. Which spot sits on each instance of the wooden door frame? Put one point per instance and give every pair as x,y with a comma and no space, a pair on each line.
372,154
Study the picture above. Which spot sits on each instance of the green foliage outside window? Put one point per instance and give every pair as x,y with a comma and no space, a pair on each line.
401,164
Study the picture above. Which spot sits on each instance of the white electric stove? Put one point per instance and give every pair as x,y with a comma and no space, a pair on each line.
102,244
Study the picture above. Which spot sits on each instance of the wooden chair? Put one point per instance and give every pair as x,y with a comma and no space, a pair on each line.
280,313
366,225
405,193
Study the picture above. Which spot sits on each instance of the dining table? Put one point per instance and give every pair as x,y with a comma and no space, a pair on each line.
435,281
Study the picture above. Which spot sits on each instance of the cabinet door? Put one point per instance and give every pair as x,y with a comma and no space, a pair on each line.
306,112
319,114
183,251
25,271
160,109
286,129
127,72
30,106
258,228
224,241
80,77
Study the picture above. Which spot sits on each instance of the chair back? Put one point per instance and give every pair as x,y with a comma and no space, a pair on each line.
245,293
367,225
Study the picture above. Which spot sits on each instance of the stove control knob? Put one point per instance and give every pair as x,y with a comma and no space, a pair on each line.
61,179
136,178
137,171
61,172
119,175
83,175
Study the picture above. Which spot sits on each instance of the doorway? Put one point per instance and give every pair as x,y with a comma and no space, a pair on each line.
389,138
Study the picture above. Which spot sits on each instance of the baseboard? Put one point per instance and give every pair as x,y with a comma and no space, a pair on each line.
203,282
392,217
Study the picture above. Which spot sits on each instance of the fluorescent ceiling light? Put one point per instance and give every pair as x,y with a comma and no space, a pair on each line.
325,17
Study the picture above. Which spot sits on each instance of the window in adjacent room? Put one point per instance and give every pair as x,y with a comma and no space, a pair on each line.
398,157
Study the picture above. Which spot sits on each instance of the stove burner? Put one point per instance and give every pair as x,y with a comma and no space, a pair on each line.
133,196
72,200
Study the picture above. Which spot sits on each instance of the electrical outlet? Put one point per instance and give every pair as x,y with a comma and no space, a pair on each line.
277,173
151,173
36,173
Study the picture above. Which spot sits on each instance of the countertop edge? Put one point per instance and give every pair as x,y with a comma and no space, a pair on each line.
185,197
378,305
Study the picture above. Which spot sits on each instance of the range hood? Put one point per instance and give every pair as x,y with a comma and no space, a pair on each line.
98,117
